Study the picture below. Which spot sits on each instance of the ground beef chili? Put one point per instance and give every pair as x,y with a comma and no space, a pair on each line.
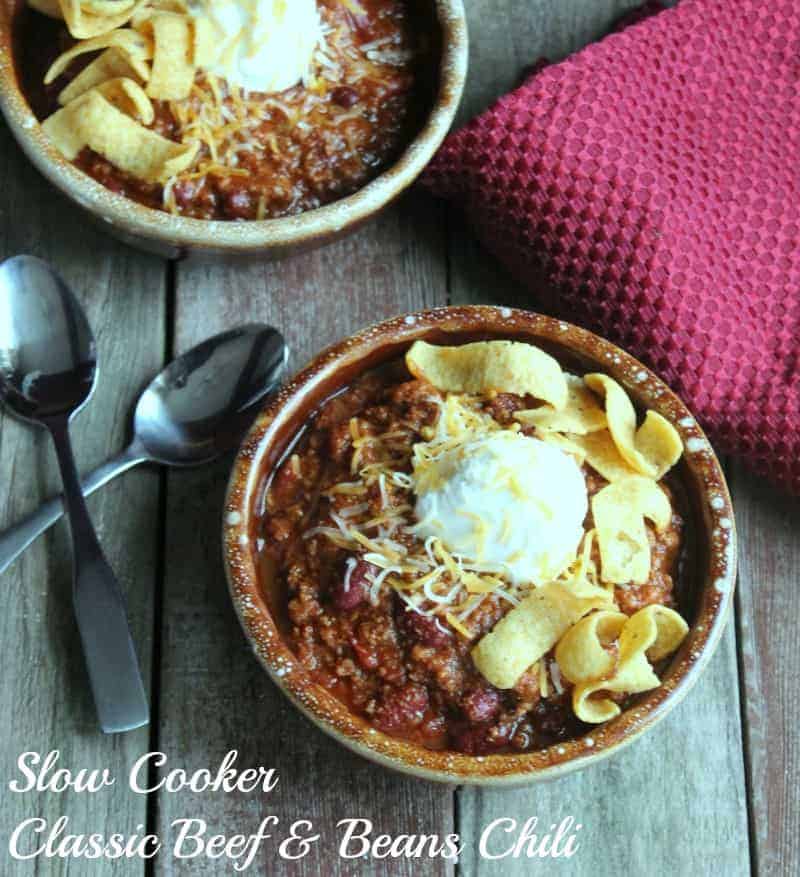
302,148
405,673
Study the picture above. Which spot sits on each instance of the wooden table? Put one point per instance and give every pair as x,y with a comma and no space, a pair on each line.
711,790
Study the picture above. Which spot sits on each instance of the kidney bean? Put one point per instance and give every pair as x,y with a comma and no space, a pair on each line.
552,721
184,192
481,705
435,727
346,595
480,739
402,708
421,628
344,96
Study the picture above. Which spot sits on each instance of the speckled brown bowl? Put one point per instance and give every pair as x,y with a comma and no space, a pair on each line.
176,236
706,589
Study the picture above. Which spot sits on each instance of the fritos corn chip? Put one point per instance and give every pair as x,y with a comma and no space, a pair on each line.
586,651
581,415
487,366
134,46
150,7
111,64
91,120
90,18
173,70
128,97
565,443
586,656
106,107
529,631
658,442
652,449
204,51
64,128
601,453
619,510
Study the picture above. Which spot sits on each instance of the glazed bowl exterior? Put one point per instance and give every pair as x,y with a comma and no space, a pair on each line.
699,472
177,236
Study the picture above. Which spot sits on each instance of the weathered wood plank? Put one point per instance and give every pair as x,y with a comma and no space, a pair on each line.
508,36
214,696
647,809
45,701
769,604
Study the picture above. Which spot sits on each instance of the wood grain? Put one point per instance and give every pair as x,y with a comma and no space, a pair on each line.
645,810
769,606
214,696
45,701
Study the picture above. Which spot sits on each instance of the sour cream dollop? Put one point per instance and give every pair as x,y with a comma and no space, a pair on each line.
505,499
264,45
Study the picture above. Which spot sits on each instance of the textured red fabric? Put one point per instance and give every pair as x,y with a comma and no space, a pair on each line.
653,182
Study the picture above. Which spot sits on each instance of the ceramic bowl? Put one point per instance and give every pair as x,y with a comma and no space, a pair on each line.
175,236
705,589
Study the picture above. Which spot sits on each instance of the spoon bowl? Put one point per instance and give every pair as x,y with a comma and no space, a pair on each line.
48,360
202,403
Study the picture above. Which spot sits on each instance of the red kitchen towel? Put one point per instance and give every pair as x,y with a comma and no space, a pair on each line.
652,181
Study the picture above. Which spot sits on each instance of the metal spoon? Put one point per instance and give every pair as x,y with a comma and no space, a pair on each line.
48,367
198,408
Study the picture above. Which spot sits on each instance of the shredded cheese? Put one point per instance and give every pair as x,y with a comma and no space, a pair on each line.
228,121
555,673
372,517
543,678
458,626
349,567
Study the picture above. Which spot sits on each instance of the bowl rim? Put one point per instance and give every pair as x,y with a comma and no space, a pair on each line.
716,580
138,220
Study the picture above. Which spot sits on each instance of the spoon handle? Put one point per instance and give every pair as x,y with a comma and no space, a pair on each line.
114,676
17,538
